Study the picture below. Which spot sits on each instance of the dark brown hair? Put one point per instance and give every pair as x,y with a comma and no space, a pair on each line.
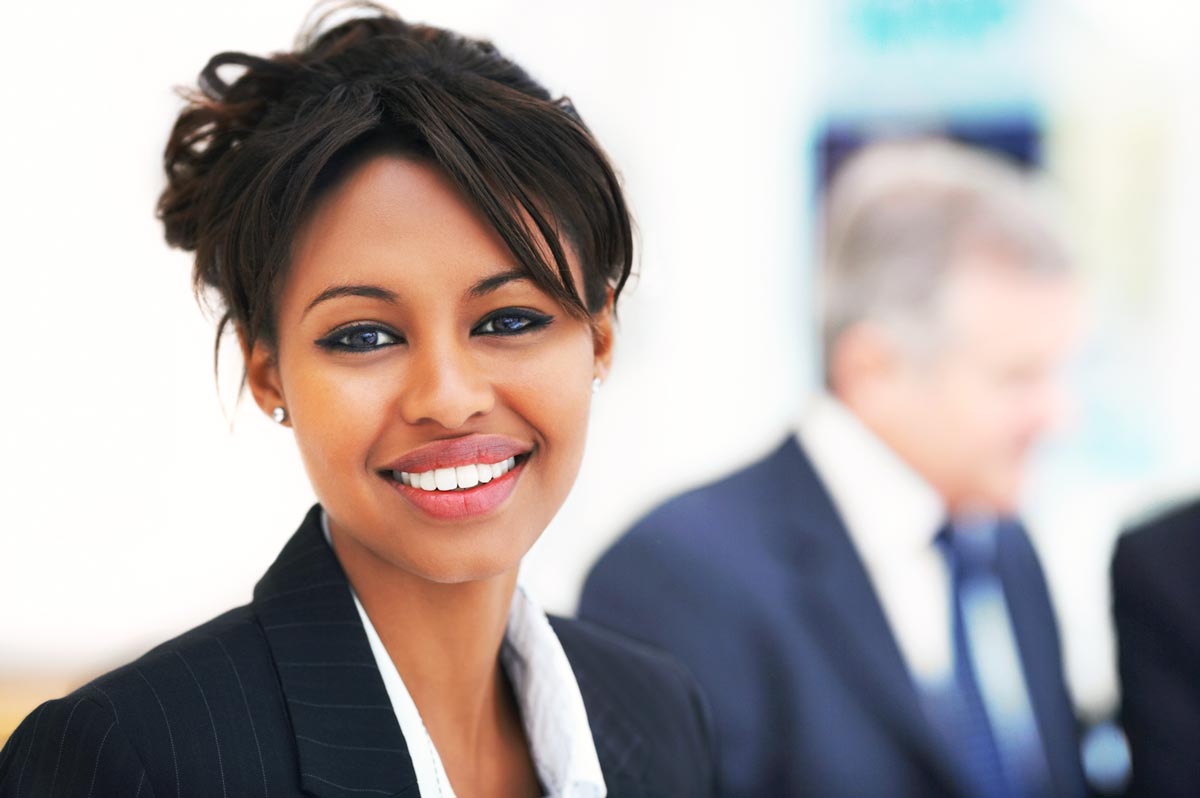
246,160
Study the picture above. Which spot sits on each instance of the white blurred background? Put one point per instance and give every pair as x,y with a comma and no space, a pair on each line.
139,501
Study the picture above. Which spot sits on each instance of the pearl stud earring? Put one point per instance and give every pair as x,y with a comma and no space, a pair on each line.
279,414
596,385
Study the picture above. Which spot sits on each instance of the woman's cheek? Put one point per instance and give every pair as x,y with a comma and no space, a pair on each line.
338,412
557,386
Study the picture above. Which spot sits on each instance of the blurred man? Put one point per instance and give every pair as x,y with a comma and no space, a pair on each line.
1156,602
866,615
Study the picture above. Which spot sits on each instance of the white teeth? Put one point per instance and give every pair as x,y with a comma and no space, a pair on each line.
459,478
467,476
445,479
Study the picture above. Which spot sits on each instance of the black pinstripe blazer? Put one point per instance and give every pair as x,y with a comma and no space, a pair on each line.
281,697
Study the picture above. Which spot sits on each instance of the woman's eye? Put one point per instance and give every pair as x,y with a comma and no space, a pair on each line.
359,339
512,322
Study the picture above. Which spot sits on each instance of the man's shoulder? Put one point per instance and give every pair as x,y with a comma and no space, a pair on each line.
1166,535
751,490
700,549
1153,551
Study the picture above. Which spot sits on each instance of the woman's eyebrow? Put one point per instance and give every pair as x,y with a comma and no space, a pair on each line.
490,284
335,291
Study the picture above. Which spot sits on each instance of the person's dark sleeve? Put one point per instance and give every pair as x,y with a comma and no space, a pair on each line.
71,747
1160,675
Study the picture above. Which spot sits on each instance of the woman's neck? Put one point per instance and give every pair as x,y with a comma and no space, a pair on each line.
444,640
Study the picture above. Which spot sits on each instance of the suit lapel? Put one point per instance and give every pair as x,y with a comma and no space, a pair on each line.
347,735
1034,627
841,606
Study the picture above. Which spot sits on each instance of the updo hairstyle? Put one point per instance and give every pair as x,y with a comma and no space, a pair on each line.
247,159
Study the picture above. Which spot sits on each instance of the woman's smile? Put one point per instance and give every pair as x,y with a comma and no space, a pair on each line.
461,477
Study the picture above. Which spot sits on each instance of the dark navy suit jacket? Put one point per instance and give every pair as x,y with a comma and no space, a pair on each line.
754,584
282,697
1156,602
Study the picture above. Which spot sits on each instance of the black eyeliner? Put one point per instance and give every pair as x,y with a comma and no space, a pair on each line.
330,342
537,320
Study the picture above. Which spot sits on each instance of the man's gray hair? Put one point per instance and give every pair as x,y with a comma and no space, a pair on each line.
898,215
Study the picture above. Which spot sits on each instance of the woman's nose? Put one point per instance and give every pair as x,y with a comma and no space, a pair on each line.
445,386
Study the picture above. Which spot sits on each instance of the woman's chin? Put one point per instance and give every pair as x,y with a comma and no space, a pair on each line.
462,573
454,566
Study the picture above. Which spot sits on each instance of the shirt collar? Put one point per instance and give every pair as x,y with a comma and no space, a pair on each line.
904,512
551,704
552,709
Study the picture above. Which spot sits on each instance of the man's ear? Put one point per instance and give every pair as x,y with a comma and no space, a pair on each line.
602,338
863,357
262,375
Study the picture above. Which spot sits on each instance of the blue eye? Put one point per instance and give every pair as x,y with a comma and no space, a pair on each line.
512,321
362,338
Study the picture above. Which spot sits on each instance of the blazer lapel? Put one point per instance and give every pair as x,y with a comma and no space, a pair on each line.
347,737
842,608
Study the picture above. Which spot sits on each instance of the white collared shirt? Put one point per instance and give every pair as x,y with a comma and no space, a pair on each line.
892,516
552,710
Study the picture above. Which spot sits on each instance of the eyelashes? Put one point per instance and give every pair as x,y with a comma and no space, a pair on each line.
511,321
370,336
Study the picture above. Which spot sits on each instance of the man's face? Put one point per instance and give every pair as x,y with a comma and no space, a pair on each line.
968,415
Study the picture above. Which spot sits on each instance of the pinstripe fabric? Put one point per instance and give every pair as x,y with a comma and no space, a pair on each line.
282,697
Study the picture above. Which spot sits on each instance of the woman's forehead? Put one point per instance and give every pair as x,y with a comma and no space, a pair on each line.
401,221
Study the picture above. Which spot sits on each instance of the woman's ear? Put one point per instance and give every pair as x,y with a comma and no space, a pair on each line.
262,375
602,338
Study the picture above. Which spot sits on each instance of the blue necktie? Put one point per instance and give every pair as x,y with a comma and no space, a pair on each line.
969,729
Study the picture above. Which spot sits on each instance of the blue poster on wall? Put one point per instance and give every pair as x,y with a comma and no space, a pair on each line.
965,69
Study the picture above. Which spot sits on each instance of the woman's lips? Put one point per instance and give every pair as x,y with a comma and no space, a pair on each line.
462,503
452,452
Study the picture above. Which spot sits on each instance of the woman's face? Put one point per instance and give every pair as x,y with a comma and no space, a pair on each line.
438,396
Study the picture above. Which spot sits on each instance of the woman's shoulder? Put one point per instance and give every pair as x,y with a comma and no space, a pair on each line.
188,675
182,713
639,698
597,646
71,746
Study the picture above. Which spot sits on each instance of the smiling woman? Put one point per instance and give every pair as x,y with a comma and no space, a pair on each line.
420,251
